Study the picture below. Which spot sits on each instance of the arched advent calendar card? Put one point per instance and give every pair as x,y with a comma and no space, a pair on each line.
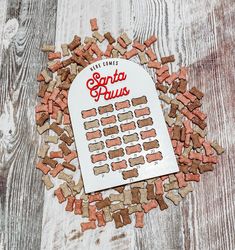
119,128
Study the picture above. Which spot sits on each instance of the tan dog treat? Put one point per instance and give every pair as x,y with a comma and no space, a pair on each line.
117,219
138,46
59,117
108,120
125,38
101,169
145,122
116,153
125,116
96,146
128,126
130,138
91,124
149,206
69,166
162,204
120,49
48,48
122,105
45,169
41,120
139,184
59,194
165,98
135,196
104,203
133,149
64,148
89,113
43,150
116,197
150,145
117,206
154,157
130,174
43,128
54,172
65,177
127,197
148,134
114,53
196,92
184,191
66,139
143,196
175,198
65,190
119,165
78,187
113,142
93,135
98,36
205,168
111,131
85,209
168,59
135,208
139,100
136,161
170,186
47,182
64,48
142,112
119,189
98,157
46,76
50,162
172,178
42,89
219,150
107,214
109,37
143,58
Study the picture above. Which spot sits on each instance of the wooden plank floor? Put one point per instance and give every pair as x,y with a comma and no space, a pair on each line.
201,34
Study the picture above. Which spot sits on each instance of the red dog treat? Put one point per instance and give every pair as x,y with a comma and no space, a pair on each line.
93,23
54,172
100,218
150,205
122,105
92,212
78,206
108,120
133,149
159,187
138,46
45,169
152,56
115,153
135,192
154,157
119,165
130,174
113,142
98,157
155,64
93,135
148,134
88,225
128,126
142,112
70,204
89,113
196,92
75,43
59,194
139,219
152,39
129,54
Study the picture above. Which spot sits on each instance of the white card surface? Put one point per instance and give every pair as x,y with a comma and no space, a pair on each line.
119,128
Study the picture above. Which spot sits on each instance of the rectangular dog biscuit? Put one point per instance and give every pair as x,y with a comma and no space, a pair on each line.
116,153
128,126
122,105
89,113
130,138
139,100
98,157
111,131
105,109
93,135
113,142
101,169
125,116
150,145
133,149
119,165
154,157
145,122
91,124
130,173
136,161
108,120
148,134
141,112
96,146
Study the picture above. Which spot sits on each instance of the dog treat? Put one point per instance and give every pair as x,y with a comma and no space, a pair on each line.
148,134
149,206
205,168
116,197
58,193
127,197
43,150
201,124
113,142
161,87
91,124
175,198
219,150
75,43
130,138
182,87
135,195
50,162
115,153
152,39
138,46
96,146
125,38
150,145
98,36
142,112
41,120
119,48
78,206
150,191
139,219
193,105
109,37
154,65
93,135
108,120
89,113
142,57
117,206
98,157
163,77
152,56
111,131
117,219
54,172
85,209
65,177
102,204
136,161
133,149
66,139
122,105
70,204
119,165
159,186
125,116
135,208
154,157
168,59
69,166
48,48
92,212
121,43
131,53
100,218
184,191
47,182
125,216
56,154
145,122
143,195
68,158
139,101
128,126
58,130
63,146
162,204
130,174
88,225
43,128
196,92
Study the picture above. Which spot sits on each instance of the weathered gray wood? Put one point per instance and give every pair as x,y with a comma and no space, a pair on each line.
21,190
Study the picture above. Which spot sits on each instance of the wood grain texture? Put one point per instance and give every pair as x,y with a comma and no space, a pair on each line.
201,35
20,185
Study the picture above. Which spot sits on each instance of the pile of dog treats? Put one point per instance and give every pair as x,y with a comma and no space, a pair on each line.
59,158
